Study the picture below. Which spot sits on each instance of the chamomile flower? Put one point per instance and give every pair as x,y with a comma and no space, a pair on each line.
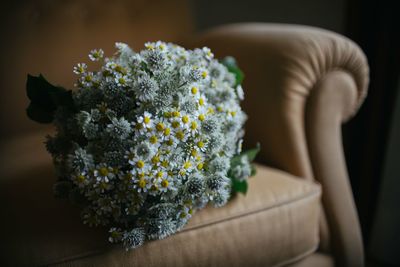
167,183
80,68
130,156
142,184
115,235
201,143
146,120
104,173
96,54
122,80
87,79
81,179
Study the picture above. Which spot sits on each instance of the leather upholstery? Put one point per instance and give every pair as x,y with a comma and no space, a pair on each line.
276,222
301,84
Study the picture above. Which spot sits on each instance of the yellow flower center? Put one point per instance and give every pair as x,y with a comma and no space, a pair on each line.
175,124
164,163
149,46
176,114
146,120
204,74
153,139
80,178
167,131
200,144
200,166
88,78
185,119
103,171
194,90
140,164
155,159
121,80
120,69
180,135
193,125
187,165
201,101
160,126
202,117
160,174
142,183
164,183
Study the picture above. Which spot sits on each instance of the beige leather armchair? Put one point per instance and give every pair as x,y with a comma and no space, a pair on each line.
301,84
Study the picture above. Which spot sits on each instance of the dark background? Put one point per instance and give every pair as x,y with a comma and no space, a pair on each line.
372,138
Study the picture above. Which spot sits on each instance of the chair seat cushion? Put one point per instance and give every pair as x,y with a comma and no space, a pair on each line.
276,221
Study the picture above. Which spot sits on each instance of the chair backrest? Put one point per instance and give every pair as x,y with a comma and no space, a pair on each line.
50,36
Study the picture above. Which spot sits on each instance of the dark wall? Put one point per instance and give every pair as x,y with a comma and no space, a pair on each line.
326,14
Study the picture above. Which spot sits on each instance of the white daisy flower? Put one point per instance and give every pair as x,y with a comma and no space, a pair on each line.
81,179
104,173
80,68
96,54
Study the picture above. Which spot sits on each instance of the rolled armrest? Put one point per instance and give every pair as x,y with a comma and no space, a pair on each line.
301,83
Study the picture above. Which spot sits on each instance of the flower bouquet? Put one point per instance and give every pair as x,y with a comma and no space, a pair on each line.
146,140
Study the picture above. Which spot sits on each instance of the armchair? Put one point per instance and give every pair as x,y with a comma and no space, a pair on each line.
301,84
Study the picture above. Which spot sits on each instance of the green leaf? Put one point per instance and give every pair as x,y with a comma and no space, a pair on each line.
253,170
231,65
36,113
251,153
239,186
45,99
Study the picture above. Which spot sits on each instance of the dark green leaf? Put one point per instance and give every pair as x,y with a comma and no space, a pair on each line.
231,65
235,160
45,99
77,198
239,186
251,153
62,189
36,113
253,170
